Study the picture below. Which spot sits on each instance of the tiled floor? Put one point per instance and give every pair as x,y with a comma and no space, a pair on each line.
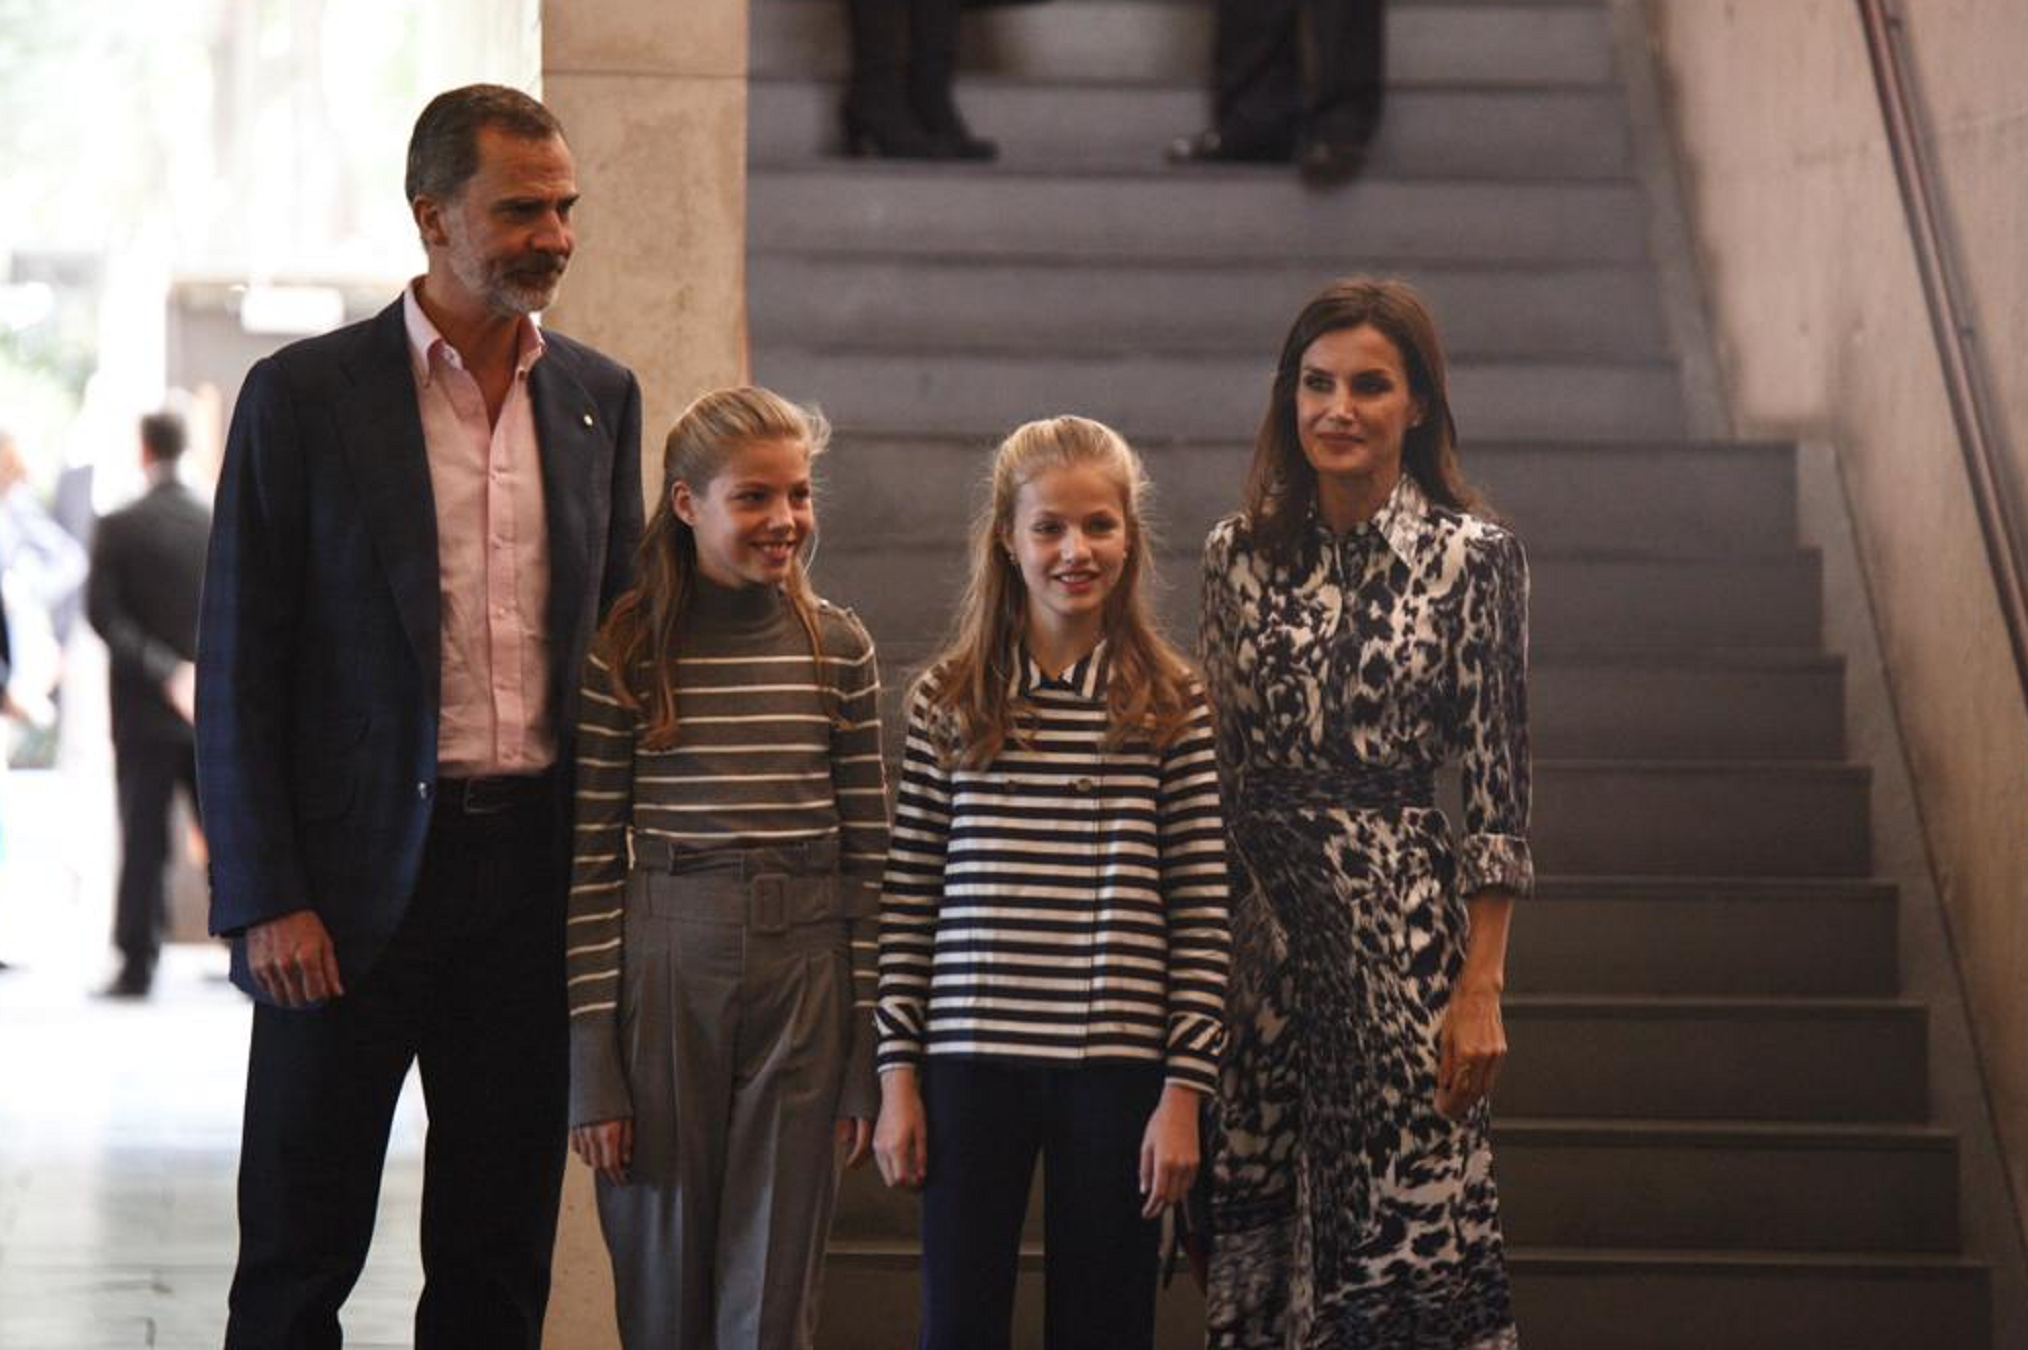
119,1125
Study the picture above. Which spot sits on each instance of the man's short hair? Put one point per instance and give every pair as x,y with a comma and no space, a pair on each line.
163,435
443,150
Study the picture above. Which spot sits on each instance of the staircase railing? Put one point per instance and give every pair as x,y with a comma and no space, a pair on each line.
1994,490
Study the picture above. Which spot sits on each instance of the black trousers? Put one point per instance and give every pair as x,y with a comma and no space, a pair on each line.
1293,69
471,988
988,1121
146,774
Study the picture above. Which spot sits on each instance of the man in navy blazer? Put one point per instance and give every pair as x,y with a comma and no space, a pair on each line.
420,521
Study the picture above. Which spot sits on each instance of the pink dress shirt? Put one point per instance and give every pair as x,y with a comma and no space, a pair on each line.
492,559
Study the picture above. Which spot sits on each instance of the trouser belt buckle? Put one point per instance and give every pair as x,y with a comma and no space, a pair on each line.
767,904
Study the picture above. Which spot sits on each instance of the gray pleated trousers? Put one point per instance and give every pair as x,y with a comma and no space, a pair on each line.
736,1005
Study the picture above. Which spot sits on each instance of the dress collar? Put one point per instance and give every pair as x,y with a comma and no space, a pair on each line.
1402,522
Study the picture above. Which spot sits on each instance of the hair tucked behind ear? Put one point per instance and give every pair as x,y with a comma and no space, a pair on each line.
969,686
640,638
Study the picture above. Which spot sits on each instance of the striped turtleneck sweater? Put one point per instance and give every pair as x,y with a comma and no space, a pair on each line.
770,749
1065,904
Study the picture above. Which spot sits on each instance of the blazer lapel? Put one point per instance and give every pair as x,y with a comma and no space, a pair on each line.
566,425
390,463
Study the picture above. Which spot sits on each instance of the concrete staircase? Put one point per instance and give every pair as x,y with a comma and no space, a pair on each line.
1715,1129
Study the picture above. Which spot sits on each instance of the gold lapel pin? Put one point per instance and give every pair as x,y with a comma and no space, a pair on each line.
587,419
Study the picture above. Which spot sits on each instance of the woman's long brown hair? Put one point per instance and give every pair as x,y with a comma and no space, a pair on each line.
1281,487
640,639
970,684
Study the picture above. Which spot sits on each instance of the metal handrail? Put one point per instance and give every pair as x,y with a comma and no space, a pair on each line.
1994,491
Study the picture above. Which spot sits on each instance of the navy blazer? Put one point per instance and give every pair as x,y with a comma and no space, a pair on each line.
319,663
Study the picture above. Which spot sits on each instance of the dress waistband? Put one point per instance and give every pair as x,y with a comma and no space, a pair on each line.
1365,788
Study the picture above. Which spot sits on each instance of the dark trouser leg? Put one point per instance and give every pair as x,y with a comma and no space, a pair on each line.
321,1089
146,774
495,1066
879,117
985,1127
1101,1254
1257,89
1346,41
933,66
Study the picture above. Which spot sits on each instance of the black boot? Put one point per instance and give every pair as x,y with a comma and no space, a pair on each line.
932,66
879,119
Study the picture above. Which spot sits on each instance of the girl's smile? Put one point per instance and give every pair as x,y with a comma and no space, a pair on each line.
750,519
1069,541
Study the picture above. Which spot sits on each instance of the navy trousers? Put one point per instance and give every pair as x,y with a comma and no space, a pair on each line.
471,989
988,1121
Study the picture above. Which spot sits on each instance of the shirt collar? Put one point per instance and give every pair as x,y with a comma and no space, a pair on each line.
1085,678
1402,522
425,342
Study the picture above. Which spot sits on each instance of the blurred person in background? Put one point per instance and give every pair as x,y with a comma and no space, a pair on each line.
147,567
42,568
1293,79
898,103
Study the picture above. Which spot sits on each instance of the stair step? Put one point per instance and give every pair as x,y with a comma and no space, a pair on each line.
1239,309
1787,1187
1712,1059
1585,605
1571,1299
1679,499
1658,936
1766,819
1116,40
1602,710
1429,132
891,208
987,394
1662,1184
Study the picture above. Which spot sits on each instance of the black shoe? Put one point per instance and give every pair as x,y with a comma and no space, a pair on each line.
892,133
1331,163
938,113
1215,147
132,982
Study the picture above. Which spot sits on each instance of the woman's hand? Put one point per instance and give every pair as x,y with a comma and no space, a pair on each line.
1169,1153
607,1147
1470,1050
855,1139
901,1138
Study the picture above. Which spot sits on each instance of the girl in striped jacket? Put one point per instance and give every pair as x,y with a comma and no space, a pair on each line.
1053,941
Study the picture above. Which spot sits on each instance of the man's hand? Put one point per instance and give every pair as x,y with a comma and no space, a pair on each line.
607,1147
293,960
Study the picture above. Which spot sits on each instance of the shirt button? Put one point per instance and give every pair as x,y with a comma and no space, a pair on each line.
422,792
1084,785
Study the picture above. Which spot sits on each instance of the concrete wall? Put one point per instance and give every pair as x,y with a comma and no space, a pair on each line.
653,97
1822,334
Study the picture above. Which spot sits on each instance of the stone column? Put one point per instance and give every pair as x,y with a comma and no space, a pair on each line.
652,94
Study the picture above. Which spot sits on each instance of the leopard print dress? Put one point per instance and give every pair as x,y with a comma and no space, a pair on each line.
1346,1213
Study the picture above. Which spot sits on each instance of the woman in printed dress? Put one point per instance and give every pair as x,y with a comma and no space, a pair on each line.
1364,623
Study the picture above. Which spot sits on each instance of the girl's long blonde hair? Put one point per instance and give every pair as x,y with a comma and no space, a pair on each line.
640,639
969,687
